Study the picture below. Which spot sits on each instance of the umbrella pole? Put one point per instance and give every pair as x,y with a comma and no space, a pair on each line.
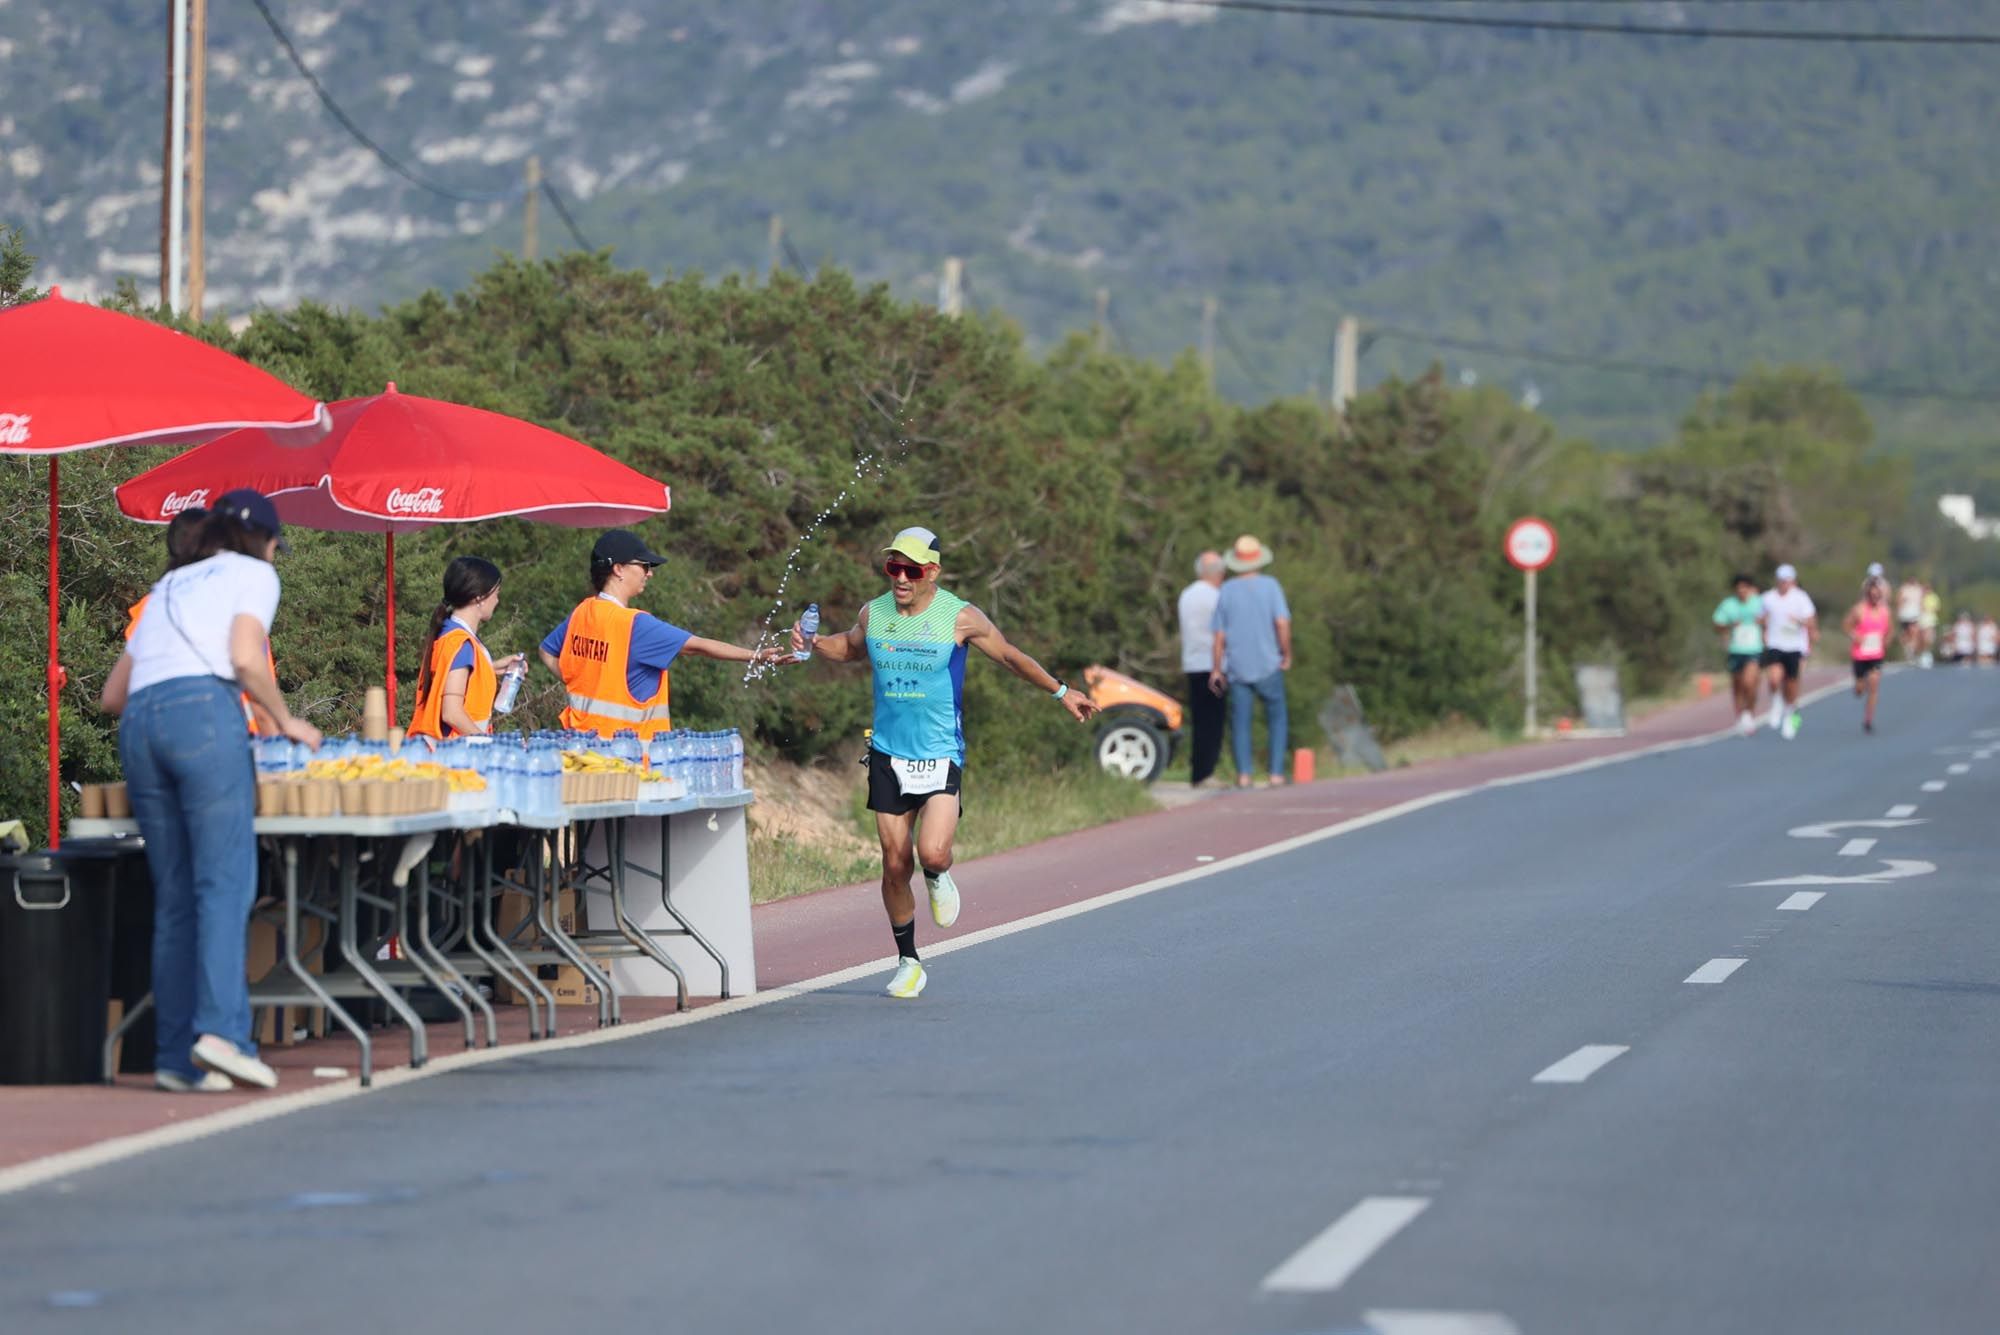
55,673
389,544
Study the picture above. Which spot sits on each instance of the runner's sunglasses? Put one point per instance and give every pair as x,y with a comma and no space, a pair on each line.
903,568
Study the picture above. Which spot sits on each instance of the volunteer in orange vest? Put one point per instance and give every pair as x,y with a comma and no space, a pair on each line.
613,658
183,542
456,687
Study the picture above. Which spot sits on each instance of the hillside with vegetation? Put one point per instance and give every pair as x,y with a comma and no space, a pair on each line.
1699,206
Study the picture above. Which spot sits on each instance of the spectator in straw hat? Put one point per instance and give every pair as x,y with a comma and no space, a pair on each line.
1253,651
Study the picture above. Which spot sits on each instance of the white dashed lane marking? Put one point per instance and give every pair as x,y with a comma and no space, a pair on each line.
1856,848
1582,1064
1801,900
1933,785
1901,811
1960,768
1325,1263
1715,971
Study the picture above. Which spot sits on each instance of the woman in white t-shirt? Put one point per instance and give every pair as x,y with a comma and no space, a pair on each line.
193,784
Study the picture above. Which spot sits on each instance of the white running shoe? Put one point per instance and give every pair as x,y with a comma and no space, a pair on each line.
1746,723
909,980
1790,728
208,1082
219,1054
1777,714
944,900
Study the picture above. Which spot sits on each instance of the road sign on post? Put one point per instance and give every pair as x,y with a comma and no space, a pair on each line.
1530,546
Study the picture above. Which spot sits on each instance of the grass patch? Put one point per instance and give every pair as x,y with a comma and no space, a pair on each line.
782,866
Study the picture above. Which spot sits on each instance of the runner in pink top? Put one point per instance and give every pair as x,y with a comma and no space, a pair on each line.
1867,626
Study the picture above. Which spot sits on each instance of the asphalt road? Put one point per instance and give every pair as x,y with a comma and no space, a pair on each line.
1299,1096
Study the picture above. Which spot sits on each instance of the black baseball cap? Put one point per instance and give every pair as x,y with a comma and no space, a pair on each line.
619,547
253,509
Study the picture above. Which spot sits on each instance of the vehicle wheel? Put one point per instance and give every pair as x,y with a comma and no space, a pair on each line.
1132,746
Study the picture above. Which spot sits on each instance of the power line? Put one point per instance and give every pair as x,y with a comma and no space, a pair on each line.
1655,370
792,254
388,159
1590,26
562,211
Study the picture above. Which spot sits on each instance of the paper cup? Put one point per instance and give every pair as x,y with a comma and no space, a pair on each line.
294,800
374,797
117,803
92,806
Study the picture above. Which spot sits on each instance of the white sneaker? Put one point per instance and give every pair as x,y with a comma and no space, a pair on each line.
909,980
1746,723
1790,728
944,900
219,1054
208,1082
1777,719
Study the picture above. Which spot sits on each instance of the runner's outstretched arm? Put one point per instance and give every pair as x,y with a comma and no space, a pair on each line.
983,635
839,646
734,653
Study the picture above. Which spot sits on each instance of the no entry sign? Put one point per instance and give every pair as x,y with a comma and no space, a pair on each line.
1531,544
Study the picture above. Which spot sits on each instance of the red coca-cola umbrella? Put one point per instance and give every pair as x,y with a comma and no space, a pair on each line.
74,376
394,463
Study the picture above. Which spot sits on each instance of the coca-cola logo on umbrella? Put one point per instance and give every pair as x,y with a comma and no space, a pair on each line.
422,501
178,501
14,428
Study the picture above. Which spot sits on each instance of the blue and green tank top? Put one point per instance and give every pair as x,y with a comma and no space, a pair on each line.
919,679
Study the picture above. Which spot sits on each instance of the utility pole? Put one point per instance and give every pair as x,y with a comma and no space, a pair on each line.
531,232
951,287
174,178
1103,323
777,242
1346,362
1208,310
197,186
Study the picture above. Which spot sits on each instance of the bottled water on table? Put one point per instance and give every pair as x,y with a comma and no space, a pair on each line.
736,784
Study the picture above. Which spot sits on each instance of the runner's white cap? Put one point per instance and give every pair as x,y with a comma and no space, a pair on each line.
1788,571
1874,570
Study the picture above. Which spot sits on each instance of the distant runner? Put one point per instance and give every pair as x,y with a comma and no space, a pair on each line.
1965,640
1791,624
1928,617
1739,619
1910,607
1989,639
914,638
1867,626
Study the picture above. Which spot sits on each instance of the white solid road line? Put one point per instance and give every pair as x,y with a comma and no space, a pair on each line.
1582,1064
1901,810
1801,900
1960,768
1856,848
1388,1322
1714,971
1933,785
53,1167
1325,1263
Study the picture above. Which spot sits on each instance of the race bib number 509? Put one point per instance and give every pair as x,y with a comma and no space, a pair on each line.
918,777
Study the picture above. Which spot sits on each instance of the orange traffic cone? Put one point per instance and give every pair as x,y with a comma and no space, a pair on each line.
1302,765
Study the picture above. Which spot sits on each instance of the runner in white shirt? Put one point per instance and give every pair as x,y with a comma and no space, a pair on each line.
1909,608
1989,639
1964,639
1791,624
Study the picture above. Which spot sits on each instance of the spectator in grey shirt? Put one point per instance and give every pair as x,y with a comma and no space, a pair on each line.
1253,651
1197,613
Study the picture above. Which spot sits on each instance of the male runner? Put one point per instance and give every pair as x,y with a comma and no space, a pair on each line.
1909,607
1867,626
1739,619
915,637
1791,624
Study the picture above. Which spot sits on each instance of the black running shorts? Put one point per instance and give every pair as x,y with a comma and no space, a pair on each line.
1864,666
886,795
1788,659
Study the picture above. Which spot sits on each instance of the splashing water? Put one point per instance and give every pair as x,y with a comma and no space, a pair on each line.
870,465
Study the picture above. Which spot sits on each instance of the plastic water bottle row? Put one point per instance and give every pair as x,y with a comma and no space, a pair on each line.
706,763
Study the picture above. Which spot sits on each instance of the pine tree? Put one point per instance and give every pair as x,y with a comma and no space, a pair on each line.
16,265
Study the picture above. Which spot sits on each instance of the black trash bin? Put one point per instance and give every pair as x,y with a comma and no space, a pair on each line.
55,972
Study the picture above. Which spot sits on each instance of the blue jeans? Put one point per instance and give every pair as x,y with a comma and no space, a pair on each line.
193,786
1271,690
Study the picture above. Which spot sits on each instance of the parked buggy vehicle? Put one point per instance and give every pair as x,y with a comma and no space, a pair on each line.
1138,727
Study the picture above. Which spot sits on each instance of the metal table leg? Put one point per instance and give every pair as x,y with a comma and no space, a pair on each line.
305,976
545,918
350,949
445,966
614,848
475,888
532,986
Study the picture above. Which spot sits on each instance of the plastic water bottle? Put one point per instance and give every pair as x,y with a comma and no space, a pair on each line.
547,770
735,761
510,687
808,627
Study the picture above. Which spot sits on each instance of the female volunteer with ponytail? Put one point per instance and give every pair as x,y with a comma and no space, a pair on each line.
193,784
456,687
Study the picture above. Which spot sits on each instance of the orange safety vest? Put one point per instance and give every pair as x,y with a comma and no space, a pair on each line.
480,687
596,648
138,609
